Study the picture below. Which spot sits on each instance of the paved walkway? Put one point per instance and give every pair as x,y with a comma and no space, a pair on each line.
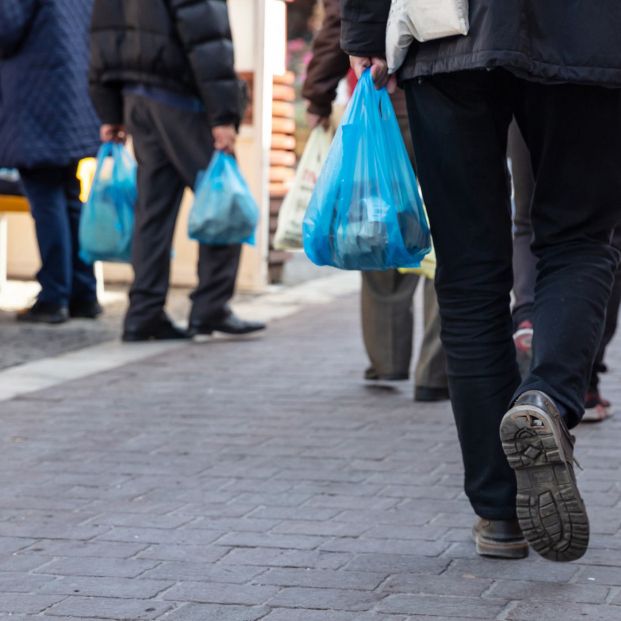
238,481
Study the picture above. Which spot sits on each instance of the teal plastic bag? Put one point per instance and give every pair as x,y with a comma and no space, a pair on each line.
366,212
224,211
107,221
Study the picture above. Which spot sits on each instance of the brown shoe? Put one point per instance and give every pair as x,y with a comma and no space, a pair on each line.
540,449
500,539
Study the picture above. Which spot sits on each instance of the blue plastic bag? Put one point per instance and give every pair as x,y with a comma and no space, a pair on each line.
366,212
107,221
224,211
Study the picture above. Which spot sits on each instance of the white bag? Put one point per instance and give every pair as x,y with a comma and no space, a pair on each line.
289,232
423,20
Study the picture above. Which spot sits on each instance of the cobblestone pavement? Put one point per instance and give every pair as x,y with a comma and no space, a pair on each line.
238,481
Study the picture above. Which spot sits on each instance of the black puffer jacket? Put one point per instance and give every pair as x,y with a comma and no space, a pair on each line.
545,40
181,45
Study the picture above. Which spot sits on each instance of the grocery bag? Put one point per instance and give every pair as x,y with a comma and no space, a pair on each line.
366,212
289,232
107,221
423,20
224,211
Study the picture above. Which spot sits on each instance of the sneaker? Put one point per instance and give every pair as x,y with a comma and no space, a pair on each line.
499,539
596,408
540,449
523,339
44,312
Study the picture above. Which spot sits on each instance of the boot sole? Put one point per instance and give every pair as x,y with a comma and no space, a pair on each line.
550,509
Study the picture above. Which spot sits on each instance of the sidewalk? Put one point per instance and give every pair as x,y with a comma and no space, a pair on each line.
262,479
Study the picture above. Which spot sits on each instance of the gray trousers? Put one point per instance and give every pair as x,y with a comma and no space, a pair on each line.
172,145
388,327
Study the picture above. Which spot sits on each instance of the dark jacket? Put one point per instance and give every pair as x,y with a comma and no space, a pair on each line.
180,45
46,116
328,65
551,41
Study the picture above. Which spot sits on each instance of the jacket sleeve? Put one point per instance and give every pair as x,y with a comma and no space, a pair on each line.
363,31
328,65
205,33
15,19
107,98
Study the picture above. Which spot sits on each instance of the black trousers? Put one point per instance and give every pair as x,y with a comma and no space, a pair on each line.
459,128
171,145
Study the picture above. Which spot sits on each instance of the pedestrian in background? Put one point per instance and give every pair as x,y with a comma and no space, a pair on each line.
562,84
386,296
163,71
47,124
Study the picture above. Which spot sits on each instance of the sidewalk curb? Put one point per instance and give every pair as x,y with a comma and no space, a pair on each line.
41,374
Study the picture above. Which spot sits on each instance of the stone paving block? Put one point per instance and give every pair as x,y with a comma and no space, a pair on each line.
23,562
325,599
273,557
187,536
551,611
125,588
240,525
209,612
8,545
523,590
469,607
289,614
293,513
141,520
383,546
600,575
436,585
397,563
29,603
21,582
92,549
109,608
285,542
164,552
203,572
218,593
324,528
85,566
526,570
320,578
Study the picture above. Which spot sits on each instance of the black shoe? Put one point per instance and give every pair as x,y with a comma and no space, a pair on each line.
163,331
500,539
44,312
372,375
231,324
427,394
540,449
85,309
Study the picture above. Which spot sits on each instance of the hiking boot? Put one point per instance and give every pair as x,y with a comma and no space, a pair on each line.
499,539
540,449
523,340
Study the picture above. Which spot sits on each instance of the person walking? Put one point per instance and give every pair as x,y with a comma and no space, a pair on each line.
386,296
562,86
47,124
163,71
596,407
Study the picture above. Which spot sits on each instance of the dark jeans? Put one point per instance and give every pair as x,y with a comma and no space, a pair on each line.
54,197
459,127
172,145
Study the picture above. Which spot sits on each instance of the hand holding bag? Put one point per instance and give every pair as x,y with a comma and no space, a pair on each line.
423,20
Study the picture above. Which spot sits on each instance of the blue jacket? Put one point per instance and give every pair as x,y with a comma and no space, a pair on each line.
46,116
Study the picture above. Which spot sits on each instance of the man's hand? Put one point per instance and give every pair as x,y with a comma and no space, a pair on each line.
379,71
224,137
113,133
314,120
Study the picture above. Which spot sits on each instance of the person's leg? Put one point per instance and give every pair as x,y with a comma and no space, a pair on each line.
576,207
83,282
188,143
45,190
524,261
160,189
431,378
386,300
459,128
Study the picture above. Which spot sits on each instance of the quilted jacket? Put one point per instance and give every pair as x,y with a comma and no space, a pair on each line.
181,45
551,41
46,116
